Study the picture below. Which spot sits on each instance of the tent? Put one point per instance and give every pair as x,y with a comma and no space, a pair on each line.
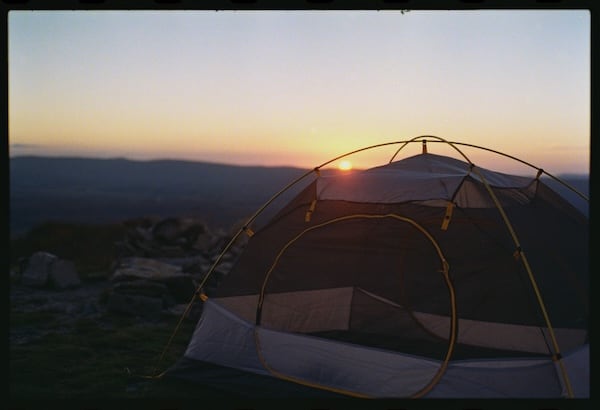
428,276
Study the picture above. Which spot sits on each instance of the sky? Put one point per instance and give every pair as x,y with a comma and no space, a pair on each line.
301,87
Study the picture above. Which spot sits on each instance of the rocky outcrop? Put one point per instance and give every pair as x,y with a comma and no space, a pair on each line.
144,287
156,272
183,243
37,269
143,268
174,238
43,269
170,237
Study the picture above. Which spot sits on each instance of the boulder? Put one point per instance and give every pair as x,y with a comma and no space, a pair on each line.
38,269
63,274
178,231
144,268
205,243
186,263
148,277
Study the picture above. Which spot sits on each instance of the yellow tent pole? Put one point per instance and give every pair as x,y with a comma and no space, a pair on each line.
517,244
445,268
422,138
452,143
532,280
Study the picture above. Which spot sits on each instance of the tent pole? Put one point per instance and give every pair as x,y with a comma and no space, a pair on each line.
538,295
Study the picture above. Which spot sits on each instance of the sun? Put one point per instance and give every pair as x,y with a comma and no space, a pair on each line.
345,165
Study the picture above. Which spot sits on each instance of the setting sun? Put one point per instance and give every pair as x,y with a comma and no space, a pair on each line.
345,165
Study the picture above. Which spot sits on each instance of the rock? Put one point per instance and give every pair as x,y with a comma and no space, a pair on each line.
141,234
179,231
38,269
63,275
204,243
144,268
185,263
135,305
172,238
149,277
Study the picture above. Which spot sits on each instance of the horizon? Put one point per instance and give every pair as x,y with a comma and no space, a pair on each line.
298,88
331,166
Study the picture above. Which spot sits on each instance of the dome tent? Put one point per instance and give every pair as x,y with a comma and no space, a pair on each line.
425,277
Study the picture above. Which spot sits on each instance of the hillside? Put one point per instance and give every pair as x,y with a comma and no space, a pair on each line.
111,190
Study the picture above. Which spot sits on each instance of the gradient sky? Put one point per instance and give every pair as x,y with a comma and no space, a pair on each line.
299,87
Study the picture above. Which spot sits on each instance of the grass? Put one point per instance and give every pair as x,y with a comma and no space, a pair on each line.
87,360
93,362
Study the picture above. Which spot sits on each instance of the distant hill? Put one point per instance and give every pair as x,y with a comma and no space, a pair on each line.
100,191
112,190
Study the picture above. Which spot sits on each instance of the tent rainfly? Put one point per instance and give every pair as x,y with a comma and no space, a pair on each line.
425,277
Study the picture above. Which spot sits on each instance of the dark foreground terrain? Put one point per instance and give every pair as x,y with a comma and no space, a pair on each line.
68,344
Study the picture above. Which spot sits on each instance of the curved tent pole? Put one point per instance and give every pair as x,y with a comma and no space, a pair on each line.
453,332
198,291
540,170
245,228
317,168
557,355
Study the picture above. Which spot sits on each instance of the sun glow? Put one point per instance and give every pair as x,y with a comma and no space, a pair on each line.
345,165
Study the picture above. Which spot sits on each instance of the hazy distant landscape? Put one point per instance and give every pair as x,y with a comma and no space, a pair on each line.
85,190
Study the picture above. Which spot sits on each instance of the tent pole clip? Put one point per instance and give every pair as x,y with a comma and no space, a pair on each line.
310,210
539,173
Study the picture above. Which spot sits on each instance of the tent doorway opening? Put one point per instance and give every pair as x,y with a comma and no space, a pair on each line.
375,296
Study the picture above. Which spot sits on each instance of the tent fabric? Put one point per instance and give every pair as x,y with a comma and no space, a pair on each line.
356,298
397,375
418,178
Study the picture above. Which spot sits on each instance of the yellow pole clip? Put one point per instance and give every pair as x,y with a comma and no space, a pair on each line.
447,216
248,231
310,210
203,296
